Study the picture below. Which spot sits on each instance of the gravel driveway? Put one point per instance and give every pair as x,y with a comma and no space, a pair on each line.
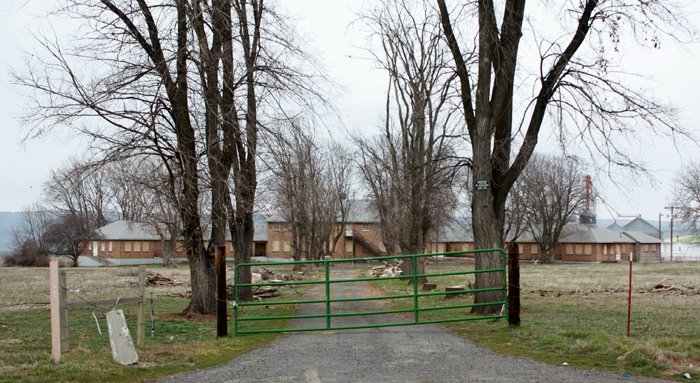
426,353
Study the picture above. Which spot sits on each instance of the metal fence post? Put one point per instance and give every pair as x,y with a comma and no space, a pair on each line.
326,264
235,299
414,261
141,314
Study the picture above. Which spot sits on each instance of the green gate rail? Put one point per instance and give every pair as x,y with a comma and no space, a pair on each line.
328,300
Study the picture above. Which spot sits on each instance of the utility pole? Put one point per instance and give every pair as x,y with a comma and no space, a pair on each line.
671,208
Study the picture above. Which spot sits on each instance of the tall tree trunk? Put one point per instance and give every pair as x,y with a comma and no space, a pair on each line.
487,225
244,230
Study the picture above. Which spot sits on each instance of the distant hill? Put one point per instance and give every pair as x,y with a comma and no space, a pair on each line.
8,222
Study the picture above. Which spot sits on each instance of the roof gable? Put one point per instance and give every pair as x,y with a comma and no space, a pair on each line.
640,225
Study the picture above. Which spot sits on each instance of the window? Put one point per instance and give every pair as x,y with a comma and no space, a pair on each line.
137,246
348,246
146,246
90,245
109,245
287,247
275,246
127,246
365,227
605,249
579,249
533,249
569,249
102,246
588,249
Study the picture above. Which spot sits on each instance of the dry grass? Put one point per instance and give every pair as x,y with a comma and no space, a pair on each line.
28,287
601,277
180,343
577,313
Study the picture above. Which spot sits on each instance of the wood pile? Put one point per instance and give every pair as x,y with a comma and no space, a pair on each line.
263,274
657,288
678,289
259,293
388,269
156,279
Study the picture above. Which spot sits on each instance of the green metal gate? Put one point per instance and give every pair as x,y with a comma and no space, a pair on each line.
328,314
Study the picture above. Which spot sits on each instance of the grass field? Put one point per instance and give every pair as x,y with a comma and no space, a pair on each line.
179,343
571,313
576,314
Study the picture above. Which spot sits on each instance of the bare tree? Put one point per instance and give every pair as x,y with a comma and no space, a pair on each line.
311,188
149,197
686,194
184,81
79,197
410,167
575,82
126,187
69,235
552,192
79,190
340,177
31,245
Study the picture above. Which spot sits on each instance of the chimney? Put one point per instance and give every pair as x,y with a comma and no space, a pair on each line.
587,216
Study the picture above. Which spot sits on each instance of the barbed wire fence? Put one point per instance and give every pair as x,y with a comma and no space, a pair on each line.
77,291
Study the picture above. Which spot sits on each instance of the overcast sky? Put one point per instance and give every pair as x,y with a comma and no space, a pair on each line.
672,70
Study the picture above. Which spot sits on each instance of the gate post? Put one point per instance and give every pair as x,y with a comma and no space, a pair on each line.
221,311
326,263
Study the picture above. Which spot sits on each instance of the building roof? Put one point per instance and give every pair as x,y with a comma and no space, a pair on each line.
128,230
640,225
455,232
590,233
616,228
143,231
361,211
641,237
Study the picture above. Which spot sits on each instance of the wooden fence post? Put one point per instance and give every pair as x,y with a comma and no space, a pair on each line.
141,315
58,314
221,310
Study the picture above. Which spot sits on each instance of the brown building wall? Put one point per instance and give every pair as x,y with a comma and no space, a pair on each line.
144,249
123,249
279,235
